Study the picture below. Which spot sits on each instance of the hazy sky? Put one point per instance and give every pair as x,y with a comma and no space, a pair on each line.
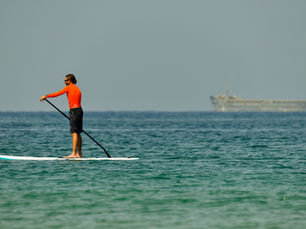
166,55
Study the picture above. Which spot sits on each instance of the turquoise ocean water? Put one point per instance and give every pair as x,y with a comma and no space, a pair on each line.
196,170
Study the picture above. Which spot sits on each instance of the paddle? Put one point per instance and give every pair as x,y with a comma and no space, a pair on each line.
82,130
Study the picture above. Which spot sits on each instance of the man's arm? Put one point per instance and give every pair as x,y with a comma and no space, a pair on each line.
64,90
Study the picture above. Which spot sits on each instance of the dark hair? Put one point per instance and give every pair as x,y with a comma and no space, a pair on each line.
72,78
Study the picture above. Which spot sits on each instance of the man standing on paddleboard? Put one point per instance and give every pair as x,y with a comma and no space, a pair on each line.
76,113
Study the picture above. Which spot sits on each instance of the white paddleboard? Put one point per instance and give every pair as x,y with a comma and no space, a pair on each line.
9,157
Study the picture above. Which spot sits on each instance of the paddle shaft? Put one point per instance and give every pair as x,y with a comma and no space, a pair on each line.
82,130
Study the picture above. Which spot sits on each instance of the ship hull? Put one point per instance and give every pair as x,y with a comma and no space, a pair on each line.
233,103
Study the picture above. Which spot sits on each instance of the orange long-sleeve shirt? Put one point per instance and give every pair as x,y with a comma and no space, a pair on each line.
73,94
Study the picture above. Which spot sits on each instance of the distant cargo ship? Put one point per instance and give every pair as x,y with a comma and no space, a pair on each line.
234,103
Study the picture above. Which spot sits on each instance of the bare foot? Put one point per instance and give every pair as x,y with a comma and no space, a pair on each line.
74,155
79,155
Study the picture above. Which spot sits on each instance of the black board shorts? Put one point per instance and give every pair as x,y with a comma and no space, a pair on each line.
76,120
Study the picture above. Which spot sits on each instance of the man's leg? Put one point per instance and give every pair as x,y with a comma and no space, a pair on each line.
79,145
74,143
76,146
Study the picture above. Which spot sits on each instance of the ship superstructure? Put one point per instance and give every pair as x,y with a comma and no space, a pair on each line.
234,103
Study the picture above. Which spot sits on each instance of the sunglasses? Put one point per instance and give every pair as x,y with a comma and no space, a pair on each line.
67,80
